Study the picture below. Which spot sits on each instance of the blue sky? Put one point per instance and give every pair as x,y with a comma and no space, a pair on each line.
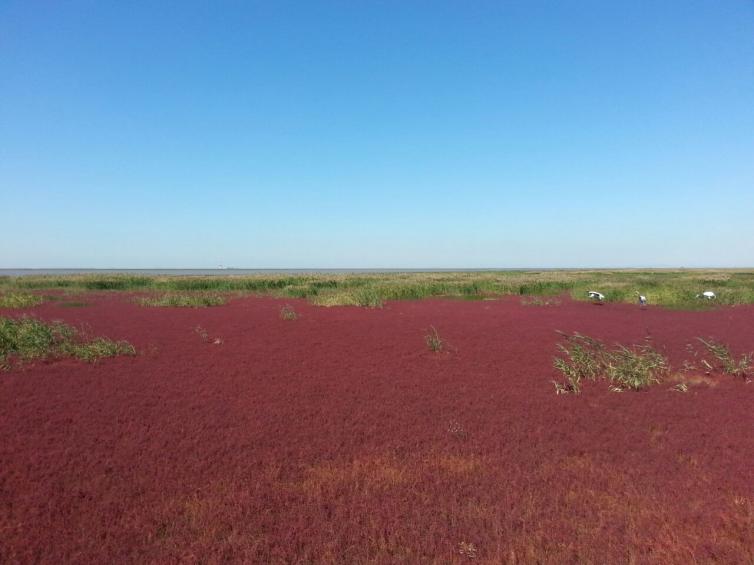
377,134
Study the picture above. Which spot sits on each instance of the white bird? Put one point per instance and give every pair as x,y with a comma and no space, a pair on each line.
594,295
642,300
709,295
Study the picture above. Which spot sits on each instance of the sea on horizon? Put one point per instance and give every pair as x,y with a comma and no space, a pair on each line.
225,271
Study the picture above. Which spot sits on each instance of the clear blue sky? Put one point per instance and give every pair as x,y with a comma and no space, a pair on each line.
377,134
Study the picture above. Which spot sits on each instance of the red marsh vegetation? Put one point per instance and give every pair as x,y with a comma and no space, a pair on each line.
336,435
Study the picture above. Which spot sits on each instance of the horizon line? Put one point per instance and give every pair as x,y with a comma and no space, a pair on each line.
426,269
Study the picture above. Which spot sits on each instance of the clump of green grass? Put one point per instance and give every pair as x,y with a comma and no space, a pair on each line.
726,361
581,361
288,313
329,299
28,338
635,368
183,300
98,348
19,300
433,340
626,368
368,297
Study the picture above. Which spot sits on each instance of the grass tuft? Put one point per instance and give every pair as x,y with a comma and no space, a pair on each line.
28,338
581,361
368,297
636,367
467,550
98,348
433,340
726,361
626,368
183,300
19,300
288,313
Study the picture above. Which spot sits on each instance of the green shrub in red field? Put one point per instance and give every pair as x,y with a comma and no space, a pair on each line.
586,358
19,300
27,338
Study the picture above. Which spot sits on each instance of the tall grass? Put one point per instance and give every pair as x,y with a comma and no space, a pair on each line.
674,289
183,300
726,361
28,338
19,300
580,361
433,340
626,368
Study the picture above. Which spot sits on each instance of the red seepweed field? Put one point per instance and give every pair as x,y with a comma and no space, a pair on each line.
235,435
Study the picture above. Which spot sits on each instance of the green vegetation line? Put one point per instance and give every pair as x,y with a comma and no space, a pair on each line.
674,289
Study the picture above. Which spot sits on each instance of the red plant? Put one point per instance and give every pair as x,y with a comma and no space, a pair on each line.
337,440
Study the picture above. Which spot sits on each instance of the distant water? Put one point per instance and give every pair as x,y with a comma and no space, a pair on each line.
229,271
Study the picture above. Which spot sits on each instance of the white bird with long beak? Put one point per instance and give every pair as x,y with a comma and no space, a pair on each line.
597,296
642,299
709,295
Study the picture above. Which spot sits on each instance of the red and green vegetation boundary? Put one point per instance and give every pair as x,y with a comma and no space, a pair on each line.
675,289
